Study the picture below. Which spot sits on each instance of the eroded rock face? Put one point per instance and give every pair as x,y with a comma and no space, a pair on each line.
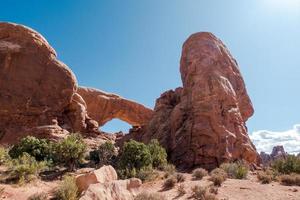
37,91
104,107
203,123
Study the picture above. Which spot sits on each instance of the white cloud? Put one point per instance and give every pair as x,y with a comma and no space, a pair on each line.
265,140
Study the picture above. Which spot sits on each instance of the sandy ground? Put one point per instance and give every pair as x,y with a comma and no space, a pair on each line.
231,189
16,192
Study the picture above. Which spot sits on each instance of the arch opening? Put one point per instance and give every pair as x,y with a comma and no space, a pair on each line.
116,125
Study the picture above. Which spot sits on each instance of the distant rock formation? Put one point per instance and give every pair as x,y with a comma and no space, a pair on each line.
39,94
278,152
104,107
203,123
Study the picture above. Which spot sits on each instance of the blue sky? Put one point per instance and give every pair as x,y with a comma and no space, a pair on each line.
133,47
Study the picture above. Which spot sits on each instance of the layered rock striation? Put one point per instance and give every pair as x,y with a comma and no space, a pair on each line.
203,122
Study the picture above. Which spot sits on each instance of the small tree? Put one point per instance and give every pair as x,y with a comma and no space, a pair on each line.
135,155
70,150
104,154
158,154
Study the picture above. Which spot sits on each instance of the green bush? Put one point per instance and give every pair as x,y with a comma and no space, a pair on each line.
67,189
199,173
70,151
158,154
38,148
235,170
4,156
104,154
286,166
25,168
134,155
38,196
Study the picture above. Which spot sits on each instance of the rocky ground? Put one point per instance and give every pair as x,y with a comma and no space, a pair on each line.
231,189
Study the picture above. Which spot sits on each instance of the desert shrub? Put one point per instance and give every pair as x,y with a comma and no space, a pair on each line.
147,174
213,189
1,191
134,155
235,170
38,196
170,183
291,164
70,151
169,170
218,176
104,154
180,177
158,154
181,190
38,148
201,193
210,196
199,173
290,180
4,156
149,196
126,173
266,177
25,168
67,190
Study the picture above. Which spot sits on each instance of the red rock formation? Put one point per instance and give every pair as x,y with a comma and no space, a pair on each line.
104,107
203,123
37,91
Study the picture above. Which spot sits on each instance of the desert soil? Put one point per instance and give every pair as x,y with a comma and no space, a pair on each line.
231,189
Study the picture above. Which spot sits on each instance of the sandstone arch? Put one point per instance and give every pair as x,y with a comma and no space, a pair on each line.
103,107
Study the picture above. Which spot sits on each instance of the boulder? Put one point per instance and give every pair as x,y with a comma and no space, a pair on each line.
115,190
103,175
203,123
103,184
104,107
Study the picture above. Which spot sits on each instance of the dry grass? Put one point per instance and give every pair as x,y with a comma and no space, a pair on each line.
180,178
218,176
290,180
169,183
181,190
149,196
199,173
264,177
38,196
201,193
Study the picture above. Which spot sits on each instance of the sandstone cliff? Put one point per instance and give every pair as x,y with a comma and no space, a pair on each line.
203,122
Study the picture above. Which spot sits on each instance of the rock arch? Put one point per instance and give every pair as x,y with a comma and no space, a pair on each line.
103,107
